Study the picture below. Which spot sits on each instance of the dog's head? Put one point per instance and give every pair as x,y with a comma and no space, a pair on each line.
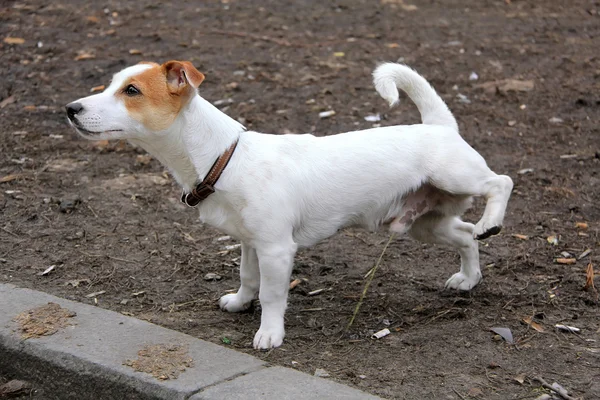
141,100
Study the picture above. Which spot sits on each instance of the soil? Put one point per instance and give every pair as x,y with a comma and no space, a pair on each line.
109,218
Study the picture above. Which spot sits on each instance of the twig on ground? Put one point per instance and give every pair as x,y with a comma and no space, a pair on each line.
92,210
459,395
9,232
561,393
370,274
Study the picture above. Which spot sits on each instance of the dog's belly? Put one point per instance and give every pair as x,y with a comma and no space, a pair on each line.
399,214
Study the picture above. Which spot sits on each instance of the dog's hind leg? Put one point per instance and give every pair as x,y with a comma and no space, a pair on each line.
250,281
452,231
468,174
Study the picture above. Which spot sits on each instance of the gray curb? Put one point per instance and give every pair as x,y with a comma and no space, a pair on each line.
85,360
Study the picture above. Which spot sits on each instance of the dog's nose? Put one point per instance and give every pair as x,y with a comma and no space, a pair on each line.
73,109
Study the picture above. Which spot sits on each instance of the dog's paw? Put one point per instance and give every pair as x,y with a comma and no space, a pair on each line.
460,281
233,303
484,230
268,338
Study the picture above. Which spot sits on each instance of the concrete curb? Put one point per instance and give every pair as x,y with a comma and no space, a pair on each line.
85,360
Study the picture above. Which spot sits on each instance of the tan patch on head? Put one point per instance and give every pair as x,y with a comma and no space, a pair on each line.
155,107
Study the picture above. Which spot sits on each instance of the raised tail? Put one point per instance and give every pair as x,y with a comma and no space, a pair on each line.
390,77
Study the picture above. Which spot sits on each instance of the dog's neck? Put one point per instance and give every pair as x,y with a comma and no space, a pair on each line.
189,148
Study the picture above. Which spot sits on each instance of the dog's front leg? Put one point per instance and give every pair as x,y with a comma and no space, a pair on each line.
250,281
276,262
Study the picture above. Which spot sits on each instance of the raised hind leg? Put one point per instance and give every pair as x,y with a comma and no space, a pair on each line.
466,173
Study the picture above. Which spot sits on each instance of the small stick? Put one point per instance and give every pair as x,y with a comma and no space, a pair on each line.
459,395
371,274
561,393
92,210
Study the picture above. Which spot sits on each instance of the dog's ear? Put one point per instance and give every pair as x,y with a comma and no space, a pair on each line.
180,74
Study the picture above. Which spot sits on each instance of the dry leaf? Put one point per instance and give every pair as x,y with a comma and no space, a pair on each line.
529,321
14,40
589,278
295,283
566,260
97,88
92,19
84,55
520,378
519,236
7,101
9,178
135,51
581,225
506,85
505,333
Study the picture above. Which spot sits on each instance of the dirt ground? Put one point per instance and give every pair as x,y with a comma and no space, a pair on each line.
108,218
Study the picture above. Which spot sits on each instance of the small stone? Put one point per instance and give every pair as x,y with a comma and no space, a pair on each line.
463,99
321,373
212,277
69,205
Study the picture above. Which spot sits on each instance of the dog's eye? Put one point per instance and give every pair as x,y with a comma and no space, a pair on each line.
131,91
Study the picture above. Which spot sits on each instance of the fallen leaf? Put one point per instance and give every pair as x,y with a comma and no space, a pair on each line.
7,101
339,54
9,178
295,283
589,277
584,254
566,260
13,388
519,236
14,40
505,333
83,55
581,225
520,378
97,88
92,19
506,85
529,321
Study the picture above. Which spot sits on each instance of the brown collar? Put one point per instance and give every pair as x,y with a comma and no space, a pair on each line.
206,187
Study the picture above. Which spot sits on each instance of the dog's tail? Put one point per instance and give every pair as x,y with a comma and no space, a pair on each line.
390,77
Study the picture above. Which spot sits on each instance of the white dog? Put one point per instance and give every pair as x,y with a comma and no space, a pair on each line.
277,193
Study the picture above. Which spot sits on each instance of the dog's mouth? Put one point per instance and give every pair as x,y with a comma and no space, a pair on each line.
75,124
